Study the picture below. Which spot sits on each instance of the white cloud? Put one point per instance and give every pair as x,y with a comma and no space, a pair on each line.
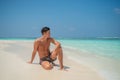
117,10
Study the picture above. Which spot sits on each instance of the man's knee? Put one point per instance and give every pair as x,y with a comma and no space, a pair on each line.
46,65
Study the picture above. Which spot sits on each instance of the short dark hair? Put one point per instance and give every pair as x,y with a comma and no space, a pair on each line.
45,29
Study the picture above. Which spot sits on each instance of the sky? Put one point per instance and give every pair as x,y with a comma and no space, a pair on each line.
66,18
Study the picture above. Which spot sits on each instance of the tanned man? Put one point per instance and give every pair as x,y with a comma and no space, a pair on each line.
42,46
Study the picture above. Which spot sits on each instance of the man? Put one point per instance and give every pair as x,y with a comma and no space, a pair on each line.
42,45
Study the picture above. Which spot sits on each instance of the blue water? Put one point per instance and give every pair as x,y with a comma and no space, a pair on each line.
108,48
104,47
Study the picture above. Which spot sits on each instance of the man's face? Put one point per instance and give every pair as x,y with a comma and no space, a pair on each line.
47,34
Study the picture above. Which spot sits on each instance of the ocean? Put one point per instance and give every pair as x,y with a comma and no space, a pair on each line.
98,46
103,47
101,55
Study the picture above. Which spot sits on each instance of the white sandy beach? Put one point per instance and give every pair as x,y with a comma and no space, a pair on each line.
15,53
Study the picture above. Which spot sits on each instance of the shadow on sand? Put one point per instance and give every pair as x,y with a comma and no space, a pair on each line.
56,65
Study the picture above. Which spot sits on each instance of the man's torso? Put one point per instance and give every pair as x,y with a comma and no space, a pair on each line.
43,47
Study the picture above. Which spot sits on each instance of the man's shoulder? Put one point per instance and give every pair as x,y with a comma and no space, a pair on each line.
37,40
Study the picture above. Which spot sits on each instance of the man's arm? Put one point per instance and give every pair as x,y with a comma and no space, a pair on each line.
57,52
34,51
56,43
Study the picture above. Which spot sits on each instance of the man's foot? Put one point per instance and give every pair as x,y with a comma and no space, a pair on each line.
62,68
29,62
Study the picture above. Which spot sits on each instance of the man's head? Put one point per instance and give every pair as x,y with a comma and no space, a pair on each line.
45,31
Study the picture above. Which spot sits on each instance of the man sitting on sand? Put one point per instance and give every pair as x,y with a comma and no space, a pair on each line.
42,45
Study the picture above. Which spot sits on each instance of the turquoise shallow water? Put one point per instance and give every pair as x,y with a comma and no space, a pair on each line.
102,55
104,47
108,48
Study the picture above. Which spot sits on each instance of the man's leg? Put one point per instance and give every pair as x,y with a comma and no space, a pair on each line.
58,52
